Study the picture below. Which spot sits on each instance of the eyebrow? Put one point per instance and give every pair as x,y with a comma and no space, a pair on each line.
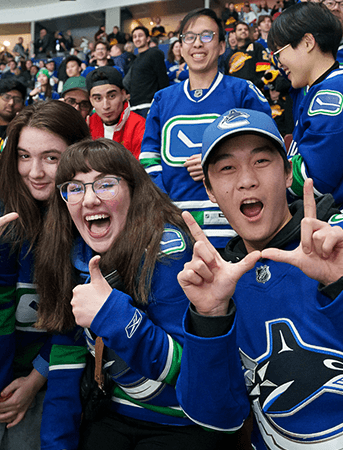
53,150
107,92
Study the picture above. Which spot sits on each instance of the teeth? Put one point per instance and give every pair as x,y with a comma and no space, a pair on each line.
96,217
248,201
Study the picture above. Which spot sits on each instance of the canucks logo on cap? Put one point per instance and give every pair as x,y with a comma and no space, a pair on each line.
234,119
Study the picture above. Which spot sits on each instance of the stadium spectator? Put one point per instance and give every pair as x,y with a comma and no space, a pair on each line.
75,93
12,97
112,118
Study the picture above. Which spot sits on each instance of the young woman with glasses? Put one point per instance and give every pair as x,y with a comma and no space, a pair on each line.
109,215
37,137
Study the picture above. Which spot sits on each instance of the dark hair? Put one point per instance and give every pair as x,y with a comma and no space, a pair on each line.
12,84
262,17
240,22
193,15
146,31
74,58
306,17
136,249
56,117
211,157
170,55
105,43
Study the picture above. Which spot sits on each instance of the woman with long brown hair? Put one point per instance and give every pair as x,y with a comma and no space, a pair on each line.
108,210
37,137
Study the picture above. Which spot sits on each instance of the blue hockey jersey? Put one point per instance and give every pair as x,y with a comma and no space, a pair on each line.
174,129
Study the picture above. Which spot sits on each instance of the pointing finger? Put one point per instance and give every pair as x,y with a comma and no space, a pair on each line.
194,228
310,209
8,218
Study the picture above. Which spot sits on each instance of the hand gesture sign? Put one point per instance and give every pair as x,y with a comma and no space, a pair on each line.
208,281
320,253
88,298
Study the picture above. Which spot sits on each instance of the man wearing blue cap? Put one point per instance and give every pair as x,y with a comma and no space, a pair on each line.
272,306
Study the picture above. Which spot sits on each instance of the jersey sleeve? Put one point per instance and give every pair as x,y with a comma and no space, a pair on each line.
252,98
8,279
150,156
315,150
62,405
210,387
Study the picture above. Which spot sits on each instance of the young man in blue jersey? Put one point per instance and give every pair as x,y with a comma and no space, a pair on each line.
264,331
179,115
305,39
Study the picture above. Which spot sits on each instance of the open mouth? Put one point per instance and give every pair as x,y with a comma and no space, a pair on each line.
251,208
98,223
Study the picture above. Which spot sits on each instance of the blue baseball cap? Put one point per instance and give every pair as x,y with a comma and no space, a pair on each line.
240,121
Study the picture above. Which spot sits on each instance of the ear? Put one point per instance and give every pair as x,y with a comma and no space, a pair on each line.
210,193
309,41
289,177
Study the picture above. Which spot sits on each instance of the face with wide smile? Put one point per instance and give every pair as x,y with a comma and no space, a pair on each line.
200,57
249,182
295,63
98,221
39,153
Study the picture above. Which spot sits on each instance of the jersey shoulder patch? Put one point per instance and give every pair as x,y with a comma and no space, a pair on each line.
172,241
326,102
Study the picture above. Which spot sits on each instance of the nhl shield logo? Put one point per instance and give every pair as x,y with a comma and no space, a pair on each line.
263,274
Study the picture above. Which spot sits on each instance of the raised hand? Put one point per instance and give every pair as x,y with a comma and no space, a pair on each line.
320,253
193,165
208,281
8,218
89,298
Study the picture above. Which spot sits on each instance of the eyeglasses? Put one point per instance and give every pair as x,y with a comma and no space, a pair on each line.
276,54
7,98
190,37
84,105
332,3
105,188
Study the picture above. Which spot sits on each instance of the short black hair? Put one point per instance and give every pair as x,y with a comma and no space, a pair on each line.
212,155
193,15
306,17
240,22
146,31
73,58
12,84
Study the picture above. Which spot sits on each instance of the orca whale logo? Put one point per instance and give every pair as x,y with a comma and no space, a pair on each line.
296,388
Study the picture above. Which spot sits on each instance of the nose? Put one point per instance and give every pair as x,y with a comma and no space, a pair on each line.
197,41
11,101
36,169
105,103
77,106
90,198
247,179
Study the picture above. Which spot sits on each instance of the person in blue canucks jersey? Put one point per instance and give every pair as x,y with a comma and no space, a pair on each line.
109,206
265,329
36,139
311,33
179,114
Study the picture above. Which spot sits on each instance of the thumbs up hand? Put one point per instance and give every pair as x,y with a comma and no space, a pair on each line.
88,298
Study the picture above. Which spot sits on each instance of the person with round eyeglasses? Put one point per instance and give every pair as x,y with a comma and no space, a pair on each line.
107,219
179,115
305,39
75,93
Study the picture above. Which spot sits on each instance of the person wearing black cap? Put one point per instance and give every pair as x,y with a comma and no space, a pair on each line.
272,306
112,118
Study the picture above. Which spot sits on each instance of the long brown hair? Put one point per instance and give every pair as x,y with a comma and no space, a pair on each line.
56,117
135,250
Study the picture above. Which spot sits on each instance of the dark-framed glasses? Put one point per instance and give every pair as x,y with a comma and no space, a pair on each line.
332,3
84,105
105,188
205,36
16,100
